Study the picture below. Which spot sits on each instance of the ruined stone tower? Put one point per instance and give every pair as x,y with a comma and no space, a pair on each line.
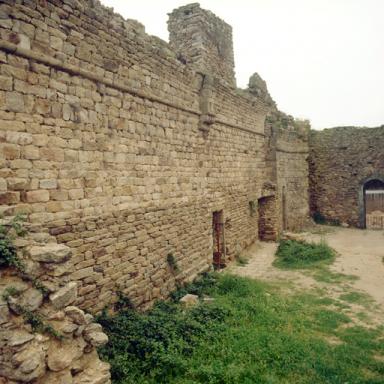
203,40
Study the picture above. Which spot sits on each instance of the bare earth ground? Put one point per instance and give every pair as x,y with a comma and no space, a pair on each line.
360,253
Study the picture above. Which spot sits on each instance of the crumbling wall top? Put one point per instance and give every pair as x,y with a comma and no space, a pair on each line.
203,40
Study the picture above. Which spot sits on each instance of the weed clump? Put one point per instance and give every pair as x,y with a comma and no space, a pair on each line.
300,254
319,218
159,341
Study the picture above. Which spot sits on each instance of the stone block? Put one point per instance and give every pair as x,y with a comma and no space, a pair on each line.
6,83
48,184
30,300
18,183
31,152
64,296
3,184
38,196
189,300
75,194
62,354
10,151
76,315
14,102
50,253
8,198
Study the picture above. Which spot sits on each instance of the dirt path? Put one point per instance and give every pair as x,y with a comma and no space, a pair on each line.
359,253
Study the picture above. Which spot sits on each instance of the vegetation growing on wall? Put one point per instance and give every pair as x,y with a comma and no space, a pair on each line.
10,259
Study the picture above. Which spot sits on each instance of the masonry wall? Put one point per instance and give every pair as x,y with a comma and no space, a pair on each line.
341,160
287,164
114,146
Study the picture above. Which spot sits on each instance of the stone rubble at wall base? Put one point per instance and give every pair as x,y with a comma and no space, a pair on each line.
26,355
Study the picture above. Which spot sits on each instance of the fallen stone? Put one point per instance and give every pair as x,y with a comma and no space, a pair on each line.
17,337
62,377
189,300
64,296
76,315
89,318
62,354
50,253
29,300
4,313
97,372
60,315
94,335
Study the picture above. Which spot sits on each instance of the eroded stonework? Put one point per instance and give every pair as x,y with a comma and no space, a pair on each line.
30,352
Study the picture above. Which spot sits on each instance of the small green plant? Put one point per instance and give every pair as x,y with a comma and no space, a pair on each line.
123,302
38,324
8,233
10,291
319,218
199,287
300,254
357,297
171,260
8,255
241,260
34,319
324,275
9,259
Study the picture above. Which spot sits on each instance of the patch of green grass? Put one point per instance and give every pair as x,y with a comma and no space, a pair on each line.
292,254
357,297
324,275
251,333
241,261
362,316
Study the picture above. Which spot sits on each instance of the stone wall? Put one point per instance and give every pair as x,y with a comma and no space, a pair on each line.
122,152
292,171
341,161
286,161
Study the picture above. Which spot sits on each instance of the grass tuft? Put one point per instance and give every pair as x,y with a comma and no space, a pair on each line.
292,254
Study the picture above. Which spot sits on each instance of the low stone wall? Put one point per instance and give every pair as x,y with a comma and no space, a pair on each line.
44,339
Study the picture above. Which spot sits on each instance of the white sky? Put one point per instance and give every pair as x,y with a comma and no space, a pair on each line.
322,59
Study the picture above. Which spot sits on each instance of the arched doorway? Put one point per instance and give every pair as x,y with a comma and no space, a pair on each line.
373,201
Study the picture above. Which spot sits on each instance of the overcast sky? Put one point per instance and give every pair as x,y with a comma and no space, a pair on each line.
322,59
